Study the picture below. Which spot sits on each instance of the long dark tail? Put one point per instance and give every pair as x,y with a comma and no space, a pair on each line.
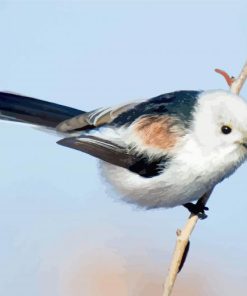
24,109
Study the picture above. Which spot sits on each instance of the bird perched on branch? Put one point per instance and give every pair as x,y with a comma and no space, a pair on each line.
163,152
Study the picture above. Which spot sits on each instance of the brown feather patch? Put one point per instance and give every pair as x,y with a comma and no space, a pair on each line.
158,131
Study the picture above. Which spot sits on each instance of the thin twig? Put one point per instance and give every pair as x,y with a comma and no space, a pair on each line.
229,80
183,235
239,82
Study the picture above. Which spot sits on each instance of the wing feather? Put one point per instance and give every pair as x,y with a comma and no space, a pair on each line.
102,149
94,118
116,155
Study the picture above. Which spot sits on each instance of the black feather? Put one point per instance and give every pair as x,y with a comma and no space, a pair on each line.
180,104
117,155
25,109
148,169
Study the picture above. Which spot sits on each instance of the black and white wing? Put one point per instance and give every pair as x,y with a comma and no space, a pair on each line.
115,154
154,127
93,119
100,148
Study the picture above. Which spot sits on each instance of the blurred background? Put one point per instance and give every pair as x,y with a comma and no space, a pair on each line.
61,232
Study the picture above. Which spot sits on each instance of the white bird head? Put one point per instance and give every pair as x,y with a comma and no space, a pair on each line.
220,124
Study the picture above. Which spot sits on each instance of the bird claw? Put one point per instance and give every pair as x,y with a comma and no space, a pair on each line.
197,209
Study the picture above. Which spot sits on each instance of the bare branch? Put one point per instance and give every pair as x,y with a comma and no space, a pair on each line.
183,235
235,84
239,82
229,80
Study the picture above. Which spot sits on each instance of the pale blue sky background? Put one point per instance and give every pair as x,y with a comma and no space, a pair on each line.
58,227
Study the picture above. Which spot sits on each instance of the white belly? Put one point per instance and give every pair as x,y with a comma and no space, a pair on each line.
187,178
159,191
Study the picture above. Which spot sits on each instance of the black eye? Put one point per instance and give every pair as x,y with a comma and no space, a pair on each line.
226,129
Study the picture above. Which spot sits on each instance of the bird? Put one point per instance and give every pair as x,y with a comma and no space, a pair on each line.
161,152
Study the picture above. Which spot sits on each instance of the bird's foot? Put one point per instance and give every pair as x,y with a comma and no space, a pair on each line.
197,209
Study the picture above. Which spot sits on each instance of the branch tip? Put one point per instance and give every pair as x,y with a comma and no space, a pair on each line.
229,80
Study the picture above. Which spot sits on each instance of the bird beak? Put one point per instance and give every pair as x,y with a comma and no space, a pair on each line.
244,144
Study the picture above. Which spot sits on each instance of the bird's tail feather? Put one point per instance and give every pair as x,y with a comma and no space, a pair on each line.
19,108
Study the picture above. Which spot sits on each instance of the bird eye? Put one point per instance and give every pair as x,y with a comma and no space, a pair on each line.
226,129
